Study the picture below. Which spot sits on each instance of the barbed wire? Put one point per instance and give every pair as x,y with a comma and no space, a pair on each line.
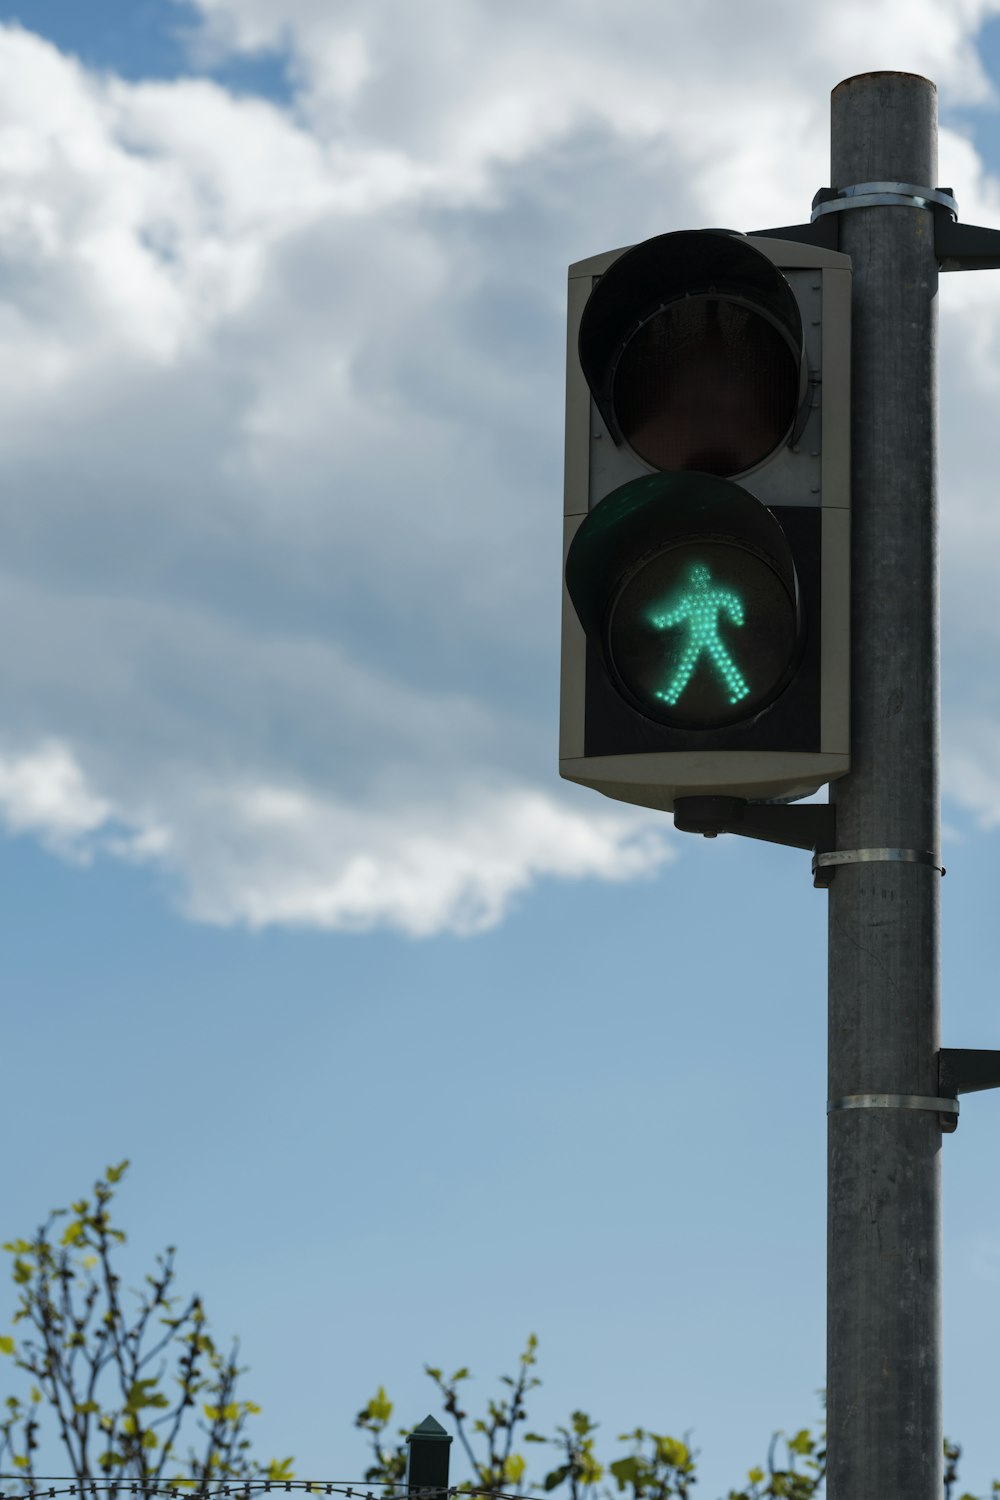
43,1485
44,1488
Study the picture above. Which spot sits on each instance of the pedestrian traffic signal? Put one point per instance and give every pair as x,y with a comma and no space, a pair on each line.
706,609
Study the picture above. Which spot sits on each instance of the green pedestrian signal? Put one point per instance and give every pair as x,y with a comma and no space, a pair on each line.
700,610
687,587
706,622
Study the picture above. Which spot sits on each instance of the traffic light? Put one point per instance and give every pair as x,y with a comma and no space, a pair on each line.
706,605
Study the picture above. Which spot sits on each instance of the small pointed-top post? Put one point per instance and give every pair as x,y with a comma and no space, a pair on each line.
427,1465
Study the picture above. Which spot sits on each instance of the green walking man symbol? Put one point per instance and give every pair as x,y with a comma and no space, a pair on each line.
702,606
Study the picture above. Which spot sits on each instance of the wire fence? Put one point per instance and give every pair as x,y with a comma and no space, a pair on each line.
57,1486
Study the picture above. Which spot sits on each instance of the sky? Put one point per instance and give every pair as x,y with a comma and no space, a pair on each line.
415,1049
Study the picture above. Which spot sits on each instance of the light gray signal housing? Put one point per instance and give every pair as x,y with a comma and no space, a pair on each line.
630,760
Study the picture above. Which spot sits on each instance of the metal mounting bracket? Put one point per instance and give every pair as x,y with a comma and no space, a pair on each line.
824,233
965,247
945,1109
966,1070
880,195
880,856
958,247
810,825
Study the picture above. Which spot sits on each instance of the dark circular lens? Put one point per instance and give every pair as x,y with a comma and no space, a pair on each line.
707,384
703,635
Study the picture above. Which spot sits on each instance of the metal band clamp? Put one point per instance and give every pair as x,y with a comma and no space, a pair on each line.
894,1101
878,857
877,194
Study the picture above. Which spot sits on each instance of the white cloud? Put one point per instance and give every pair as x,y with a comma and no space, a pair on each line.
258,854
43,791
280,423
736,94
282,856
276,781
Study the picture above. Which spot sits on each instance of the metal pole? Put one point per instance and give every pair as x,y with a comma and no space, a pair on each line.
884,1262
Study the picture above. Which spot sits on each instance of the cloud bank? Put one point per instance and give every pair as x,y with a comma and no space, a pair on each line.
281,424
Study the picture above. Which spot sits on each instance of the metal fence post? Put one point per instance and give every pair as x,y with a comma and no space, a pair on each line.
427,1462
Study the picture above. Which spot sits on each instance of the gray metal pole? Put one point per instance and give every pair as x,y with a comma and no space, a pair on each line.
883,1287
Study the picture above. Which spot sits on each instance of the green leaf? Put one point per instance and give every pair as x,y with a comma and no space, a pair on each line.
115,1174
590,1471
379,1407
6,1344
73,1232
625,1470
756,1476
144,1393
554,1480
802,1442
672,1451
280,1469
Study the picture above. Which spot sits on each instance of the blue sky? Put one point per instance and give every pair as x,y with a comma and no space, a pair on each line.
415,1049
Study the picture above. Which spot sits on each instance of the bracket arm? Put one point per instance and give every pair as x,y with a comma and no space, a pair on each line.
810,825
967,1070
